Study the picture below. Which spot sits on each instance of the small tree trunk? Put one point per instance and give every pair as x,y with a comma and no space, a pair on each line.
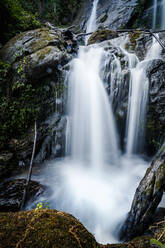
30,169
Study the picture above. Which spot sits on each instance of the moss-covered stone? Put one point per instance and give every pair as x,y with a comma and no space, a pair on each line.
30,81
43,228
101,35
133,36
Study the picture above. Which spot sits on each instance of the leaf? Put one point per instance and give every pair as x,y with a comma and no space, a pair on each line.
157,243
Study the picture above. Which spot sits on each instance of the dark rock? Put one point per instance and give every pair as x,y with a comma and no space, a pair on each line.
156,110
5,161
37,85
11,193
111,14
147,197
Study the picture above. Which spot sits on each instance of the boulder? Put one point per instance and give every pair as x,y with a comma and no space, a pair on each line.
11,194
147,197
34,88
43,228
156,109
101,35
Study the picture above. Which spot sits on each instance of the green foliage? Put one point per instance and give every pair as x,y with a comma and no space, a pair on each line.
42,205
157,243
21,15
4,68
14,18
59,12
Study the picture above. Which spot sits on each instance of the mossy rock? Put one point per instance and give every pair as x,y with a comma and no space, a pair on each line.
101,35
131,45
30,80
43,228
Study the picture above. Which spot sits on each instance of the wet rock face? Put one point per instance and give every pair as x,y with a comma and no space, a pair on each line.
147,197
115,14
111,14
11,193
36,85
156,110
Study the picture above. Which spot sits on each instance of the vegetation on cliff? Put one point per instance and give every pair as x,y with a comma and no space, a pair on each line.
21,15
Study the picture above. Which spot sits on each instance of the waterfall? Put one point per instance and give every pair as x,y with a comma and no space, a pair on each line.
158,11
163,14
137,104
154,14
94,181
93,134
91,24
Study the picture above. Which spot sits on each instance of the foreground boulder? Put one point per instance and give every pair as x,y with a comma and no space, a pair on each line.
44,228
11,194
147,197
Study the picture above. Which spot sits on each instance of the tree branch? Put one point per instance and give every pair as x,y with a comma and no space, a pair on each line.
30,169
146,31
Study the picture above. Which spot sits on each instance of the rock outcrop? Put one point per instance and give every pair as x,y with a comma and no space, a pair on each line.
156,111
34,89
147,197
111,14
11,194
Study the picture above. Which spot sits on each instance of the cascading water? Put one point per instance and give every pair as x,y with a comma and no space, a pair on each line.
138,96
91,24
158,19
94,182
91,114
155,5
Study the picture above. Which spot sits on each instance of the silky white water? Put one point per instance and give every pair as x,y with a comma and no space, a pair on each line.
158,19
91,138
137,104
91,24
155,5
163,14
95,182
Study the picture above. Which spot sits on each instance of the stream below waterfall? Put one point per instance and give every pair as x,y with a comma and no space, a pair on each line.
96,181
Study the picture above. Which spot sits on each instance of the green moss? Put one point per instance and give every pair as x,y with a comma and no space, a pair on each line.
133,36
41,54
160,177
101,35
104,18
162,149
43,228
